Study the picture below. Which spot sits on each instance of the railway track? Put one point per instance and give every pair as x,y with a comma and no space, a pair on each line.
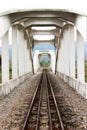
43,113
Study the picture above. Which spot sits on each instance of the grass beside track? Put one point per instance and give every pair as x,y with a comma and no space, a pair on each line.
10,72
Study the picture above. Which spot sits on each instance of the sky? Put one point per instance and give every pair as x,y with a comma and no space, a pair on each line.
14,5
51,47
85,50
0,43
43,47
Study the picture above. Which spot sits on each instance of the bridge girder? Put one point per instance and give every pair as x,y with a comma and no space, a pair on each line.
25,15
44,32
43,22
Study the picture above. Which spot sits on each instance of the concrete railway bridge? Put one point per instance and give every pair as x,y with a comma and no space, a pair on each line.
66,30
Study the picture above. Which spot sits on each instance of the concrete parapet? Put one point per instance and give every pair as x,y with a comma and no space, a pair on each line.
7,87
79,86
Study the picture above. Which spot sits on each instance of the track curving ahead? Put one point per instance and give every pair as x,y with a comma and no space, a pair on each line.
43,113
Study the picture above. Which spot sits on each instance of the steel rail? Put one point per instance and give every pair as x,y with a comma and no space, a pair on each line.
58,113
49,110
39,105
28,114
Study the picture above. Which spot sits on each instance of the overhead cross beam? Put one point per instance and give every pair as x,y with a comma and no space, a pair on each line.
44,41
44,32
43,22
25,15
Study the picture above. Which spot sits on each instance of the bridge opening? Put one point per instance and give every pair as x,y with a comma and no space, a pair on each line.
43,47
43,56
44,60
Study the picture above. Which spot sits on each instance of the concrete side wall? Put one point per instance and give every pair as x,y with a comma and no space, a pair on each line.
80,87
6,88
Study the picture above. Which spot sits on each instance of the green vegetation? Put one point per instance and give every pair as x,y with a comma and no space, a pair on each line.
75,69
0,71
44,60
0,77
86,71
10,71
44,63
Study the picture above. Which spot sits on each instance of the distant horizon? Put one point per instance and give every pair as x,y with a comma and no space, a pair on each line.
44,47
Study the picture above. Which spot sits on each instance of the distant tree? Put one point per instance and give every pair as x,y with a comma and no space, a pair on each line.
0,59
0,62
44,63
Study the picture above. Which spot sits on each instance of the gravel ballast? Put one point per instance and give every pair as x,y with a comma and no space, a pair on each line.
13,107
72,105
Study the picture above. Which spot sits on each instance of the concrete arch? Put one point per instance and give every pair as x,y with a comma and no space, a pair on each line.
5,24
44,54
81,26
36,60
65,27
25,32
42,21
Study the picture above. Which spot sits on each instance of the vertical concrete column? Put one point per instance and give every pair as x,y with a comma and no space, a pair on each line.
80,57
27,58
52,61
23,52
25,48
61,57
20,52
66,52
72,51
59,60
14,53
30,62
36,61
5,58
